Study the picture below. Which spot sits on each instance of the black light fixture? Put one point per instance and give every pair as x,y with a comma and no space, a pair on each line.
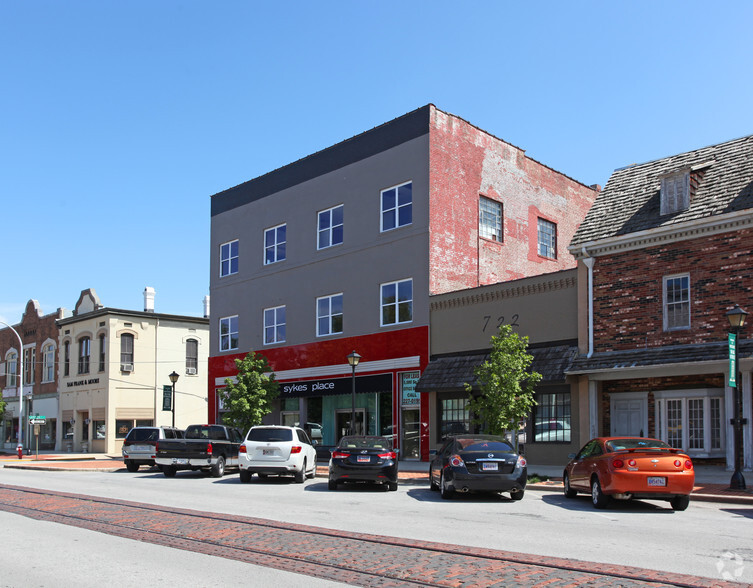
353,360
174,378
736,318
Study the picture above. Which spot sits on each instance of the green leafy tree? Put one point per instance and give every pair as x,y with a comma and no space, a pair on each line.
506,383
249,397
2,409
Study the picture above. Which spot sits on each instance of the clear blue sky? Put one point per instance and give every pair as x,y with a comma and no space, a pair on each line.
121,119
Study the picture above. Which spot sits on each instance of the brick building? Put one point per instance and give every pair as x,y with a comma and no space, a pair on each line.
341,250
664,253
38,377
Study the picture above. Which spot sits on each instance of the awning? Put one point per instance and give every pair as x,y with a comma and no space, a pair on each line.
449,373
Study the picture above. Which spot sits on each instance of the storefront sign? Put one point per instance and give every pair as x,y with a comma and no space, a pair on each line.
409,396
82,382
731,341
335,386
167,398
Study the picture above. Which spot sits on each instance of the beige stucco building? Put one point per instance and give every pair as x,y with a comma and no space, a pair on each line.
114,369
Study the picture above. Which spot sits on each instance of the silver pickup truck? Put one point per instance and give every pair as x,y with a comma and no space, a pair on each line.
210,448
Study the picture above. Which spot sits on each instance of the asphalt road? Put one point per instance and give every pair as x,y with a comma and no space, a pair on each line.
710,540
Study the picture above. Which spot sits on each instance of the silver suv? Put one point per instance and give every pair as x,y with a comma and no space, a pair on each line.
139,445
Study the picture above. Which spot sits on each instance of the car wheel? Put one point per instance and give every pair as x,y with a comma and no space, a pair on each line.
444,490
245,476
132,467
517,495
599,499
432,484
332,485
569,492
218,469
392,486
680,502
169,471
301,476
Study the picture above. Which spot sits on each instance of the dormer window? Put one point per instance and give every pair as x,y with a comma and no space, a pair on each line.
675,193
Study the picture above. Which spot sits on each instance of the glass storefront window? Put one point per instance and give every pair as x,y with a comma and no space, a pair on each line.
122,426
99,429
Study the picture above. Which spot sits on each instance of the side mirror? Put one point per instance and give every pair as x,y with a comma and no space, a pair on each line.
570,456
314,442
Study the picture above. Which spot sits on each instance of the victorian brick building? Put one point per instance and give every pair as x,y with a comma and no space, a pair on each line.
664,253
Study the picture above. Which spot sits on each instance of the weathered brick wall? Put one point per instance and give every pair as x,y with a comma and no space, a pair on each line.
465,163
628,291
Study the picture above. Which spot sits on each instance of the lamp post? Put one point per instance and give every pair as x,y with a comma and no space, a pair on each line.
353,360
19,374
736,318
174,378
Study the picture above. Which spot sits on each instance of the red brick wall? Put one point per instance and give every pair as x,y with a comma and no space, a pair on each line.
628,293
466,162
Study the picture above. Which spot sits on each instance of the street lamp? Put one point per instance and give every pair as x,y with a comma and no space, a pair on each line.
174,378
19,374
353,360
736,318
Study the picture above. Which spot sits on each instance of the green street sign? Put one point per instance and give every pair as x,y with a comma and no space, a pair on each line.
167,398
732,343
37,419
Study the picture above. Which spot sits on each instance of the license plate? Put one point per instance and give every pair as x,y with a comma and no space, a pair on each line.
489,467
267,451
141,448
364,459
180,461
657,481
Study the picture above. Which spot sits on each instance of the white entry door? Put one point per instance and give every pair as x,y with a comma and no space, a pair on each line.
629,416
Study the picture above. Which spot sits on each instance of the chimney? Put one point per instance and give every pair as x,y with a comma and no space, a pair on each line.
148,299
206,306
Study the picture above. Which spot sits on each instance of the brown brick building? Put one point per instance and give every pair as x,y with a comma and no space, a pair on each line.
664,253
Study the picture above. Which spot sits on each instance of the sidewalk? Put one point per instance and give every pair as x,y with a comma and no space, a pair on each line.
712,482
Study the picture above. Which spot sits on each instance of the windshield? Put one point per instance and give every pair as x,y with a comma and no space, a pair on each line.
488,444
270,434
364,443
618,444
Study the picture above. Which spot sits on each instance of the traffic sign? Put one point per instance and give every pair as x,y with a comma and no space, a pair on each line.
37,419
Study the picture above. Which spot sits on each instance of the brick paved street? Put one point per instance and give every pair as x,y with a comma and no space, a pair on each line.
352,558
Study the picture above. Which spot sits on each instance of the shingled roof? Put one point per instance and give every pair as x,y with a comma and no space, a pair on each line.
722,180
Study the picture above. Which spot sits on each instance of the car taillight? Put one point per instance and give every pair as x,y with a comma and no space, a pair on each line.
390,455
209,448
295,449
242,449
126,443
678,463
156,446
688,464
632,463
456,461
339,455
618,463
521,463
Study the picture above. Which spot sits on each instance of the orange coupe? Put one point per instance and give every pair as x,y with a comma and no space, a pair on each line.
630,467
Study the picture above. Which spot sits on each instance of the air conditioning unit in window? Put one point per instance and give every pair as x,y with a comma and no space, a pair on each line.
126,367
191,371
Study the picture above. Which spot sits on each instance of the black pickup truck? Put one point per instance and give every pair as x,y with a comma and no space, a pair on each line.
210,448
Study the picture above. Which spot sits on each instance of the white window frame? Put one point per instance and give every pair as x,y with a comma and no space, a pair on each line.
228,335
396,303
675,193
227,257
328,232
48,362
277,326
666,304
276,245
396,208
328,315
707,394
489,219
29,364
11,368
542,245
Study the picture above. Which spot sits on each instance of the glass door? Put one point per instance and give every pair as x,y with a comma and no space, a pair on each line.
410,434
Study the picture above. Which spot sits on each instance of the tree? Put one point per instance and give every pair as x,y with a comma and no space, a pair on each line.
506,383
247,399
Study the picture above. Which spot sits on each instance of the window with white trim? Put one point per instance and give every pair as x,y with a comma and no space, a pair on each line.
489,219
692,420
547,238
329,315
48,363
676,302
397,302
675,193
11,369
30,360
397,206
67,358
126,350
274,325
229,333
275,241
329,227
192,357
229,258
84,354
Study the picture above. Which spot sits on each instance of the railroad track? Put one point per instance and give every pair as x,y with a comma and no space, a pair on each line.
352,558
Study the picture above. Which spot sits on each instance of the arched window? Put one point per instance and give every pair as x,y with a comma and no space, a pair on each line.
67,358
48,363
84,354
126,352
192,357
102,352
11,369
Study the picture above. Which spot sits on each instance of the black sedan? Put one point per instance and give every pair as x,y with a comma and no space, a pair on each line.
360,458
478,463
